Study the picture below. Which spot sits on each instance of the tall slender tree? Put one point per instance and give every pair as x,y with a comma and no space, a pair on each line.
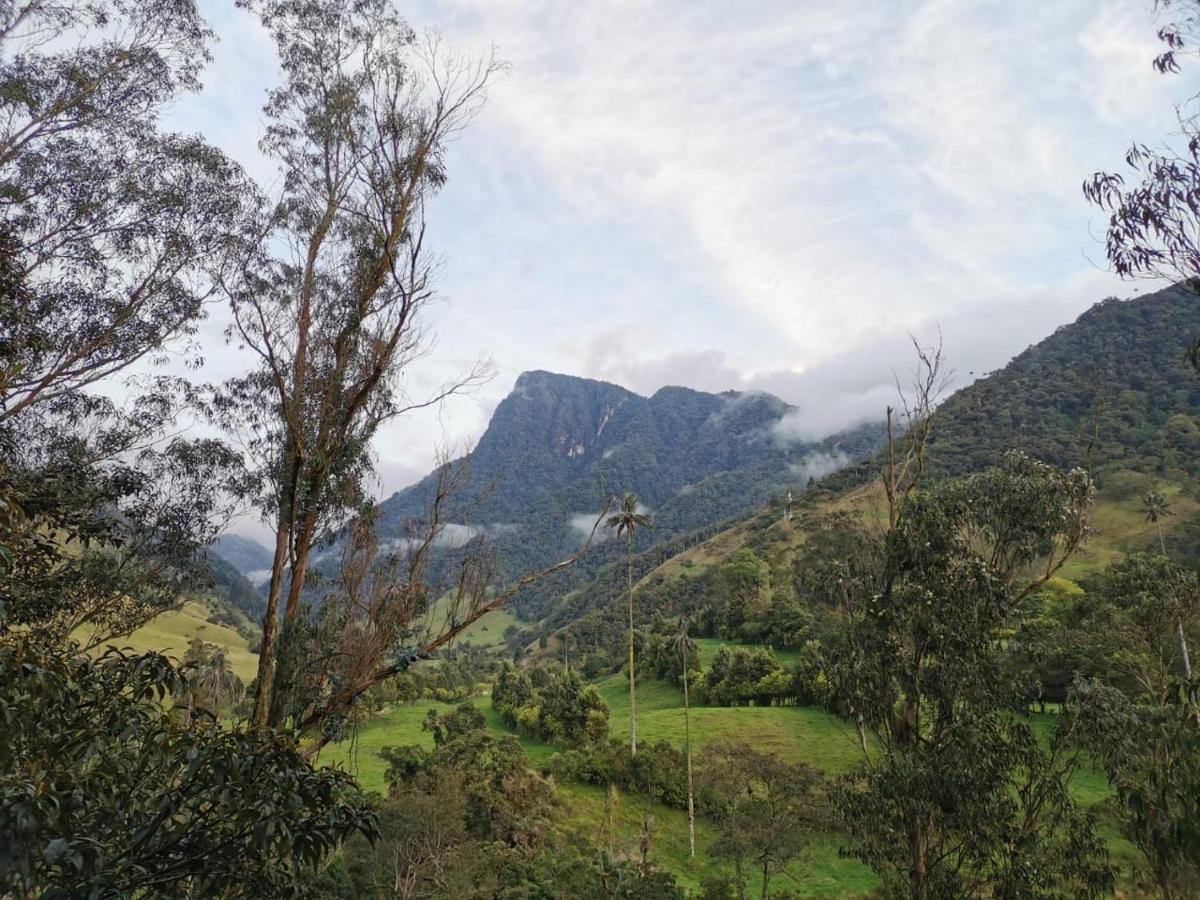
331,305
685,647
1157,509
627,520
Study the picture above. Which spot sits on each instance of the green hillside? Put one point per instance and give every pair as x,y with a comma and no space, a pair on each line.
1113,392
171,632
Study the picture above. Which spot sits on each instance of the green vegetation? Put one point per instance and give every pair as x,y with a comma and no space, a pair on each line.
960,668
171,632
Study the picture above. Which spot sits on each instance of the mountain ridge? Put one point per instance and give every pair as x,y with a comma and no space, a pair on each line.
557,445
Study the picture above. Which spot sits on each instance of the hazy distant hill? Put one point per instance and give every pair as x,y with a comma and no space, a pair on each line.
536,478
245,554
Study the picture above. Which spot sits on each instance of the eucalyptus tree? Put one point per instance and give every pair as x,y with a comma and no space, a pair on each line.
211,684
959,798
331,306
113,230
766,809
626,521
113,234
1138,717
683,645
955,796
1153,228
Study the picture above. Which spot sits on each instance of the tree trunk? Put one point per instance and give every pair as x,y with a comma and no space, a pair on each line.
918,868
632,688
687,751
1183,649
766,891
266,651
300,568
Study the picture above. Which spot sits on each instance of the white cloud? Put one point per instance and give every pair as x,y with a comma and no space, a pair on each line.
583,523
819,464
766,196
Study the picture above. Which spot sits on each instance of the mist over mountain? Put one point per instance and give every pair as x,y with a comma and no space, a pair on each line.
245,554
558,445
1113,391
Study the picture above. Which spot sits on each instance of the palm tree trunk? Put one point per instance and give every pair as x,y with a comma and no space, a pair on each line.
1183,647
632,689
687,751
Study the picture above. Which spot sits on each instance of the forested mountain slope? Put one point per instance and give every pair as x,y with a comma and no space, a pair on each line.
558,444
1113,390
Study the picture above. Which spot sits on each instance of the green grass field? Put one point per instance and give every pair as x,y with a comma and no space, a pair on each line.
799,734
795,733
487,631
171,631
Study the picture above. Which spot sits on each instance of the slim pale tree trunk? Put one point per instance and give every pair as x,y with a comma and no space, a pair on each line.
1183,647
687,751
632,688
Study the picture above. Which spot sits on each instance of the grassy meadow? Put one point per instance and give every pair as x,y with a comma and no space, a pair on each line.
170,633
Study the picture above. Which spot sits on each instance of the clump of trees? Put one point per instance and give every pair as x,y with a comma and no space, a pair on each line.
468,818
658,771
746,676
457,675
556,706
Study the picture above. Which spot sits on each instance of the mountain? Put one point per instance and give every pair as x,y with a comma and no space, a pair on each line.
558,444
1113,391
236,564
245,554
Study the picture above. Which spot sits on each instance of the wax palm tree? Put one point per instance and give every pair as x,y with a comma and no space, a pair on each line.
1158,509
627,520
685,647
211,683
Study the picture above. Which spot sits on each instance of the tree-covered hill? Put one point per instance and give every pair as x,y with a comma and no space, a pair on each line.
1113,391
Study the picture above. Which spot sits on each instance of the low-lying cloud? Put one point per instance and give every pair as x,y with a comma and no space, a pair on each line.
818,464
583,523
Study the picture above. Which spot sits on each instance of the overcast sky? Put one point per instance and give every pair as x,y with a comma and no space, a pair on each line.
757,195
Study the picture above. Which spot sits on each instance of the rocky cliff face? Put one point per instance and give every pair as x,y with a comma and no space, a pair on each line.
557,444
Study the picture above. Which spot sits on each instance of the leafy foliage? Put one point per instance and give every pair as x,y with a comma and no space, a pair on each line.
470,819
103,792
557,707
767,809
934,809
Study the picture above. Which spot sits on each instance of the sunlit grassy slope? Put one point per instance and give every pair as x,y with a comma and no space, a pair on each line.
487,631
170,633
1118,524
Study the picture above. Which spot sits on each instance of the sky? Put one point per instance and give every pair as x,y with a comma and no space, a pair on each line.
753,196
